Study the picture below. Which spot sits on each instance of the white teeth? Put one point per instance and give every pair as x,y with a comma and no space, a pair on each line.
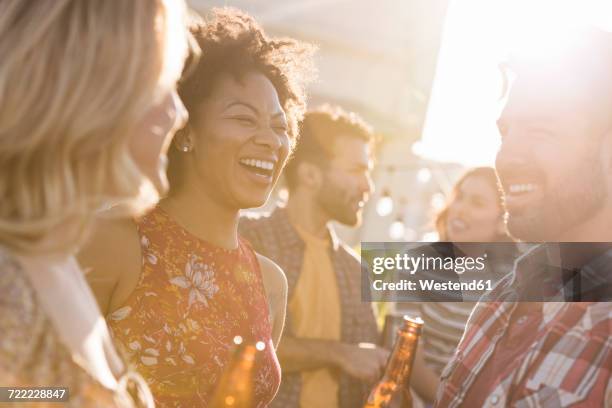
262,164
522,188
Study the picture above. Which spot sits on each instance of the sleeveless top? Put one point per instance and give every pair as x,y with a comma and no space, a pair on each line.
32,353
177,326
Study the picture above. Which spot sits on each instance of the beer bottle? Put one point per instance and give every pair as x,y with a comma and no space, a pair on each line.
235,387
399,366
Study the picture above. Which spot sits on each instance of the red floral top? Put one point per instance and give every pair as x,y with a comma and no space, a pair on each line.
192,298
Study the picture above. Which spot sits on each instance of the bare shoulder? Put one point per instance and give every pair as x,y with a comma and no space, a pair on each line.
275,284
273,276
110,258
113,243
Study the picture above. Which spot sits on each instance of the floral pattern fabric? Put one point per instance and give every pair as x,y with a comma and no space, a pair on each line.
192,299
32,354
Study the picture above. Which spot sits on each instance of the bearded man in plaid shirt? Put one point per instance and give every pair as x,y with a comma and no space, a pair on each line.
520,347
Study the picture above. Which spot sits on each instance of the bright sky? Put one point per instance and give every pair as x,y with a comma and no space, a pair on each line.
465,100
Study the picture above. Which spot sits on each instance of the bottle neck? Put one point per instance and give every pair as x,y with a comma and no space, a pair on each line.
400,364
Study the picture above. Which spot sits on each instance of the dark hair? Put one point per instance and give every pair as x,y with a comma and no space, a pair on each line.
318,132
232,43
485,173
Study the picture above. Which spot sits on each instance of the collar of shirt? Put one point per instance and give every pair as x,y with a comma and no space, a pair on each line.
291,236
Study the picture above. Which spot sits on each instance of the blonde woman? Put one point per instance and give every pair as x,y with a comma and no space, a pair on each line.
88,107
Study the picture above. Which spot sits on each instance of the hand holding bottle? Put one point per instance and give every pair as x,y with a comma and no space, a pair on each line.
397,372
365,362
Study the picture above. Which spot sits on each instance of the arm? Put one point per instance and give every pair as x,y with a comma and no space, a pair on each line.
308,354
275,284
366,364
111,261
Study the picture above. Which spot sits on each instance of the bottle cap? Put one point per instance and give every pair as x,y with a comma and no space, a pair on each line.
414,323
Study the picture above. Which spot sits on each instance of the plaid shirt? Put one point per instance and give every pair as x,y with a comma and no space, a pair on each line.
274,236
569,362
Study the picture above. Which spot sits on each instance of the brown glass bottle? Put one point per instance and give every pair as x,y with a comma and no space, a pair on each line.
399,366
235,389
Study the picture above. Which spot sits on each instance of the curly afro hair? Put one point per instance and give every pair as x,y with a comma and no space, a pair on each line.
233,43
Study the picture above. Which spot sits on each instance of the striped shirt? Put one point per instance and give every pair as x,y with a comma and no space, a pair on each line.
444,325
567,361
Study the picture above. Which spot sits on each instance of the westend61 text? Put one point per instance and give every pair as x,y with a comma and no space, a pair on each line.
430,284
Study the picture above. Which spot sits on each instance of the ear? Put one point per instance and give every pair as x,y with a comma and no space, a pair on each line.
183,140
310,175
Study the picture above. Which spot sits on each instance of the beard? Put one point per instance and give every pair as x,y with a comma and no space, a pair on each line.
572,199
339,203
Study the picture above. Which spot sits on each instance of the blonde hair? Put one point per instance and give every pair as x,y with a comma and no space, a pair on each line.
75,78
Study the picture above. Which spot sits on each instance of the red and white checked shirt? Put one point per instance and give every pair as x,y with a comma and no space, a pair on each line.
567,361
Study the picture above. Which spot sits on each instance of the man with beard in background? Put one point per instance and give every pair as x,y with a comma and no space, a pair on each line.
328,179
555,167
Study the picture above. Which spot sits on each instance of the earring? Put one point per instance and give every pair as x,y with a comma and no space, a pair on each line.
183,141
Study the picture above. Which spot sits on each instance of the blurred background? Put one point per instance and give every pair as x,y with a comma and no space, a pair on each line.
425,74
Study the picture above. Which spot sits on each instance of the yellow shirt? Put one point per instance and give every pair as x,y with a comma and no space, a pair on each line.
315,313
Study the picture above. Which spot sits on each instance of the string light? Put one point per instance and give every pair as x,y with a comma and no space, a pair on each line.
384,206
438,201
424,175
431,236
397,229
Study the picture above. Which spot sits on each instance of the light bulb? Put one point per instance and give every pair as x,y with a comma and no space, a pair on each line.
397,229
384,206
431,236
438,201
283,195
424,175
418,148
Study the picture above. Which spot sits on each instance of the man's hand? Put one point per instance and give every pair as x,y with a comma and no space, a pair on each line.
364,363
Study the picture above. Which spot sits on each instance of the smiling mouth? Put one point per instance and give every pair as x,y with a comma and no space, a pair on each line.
519,196
518,189
261,168
519,192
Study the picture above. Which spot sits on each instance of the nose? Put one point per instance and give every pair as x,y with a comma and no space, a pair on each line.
269,138
511,154
366,185
459,208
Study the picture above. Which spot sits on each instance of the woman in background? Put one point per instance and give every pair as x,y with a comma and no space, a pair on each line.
185,283
78,132
473,213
